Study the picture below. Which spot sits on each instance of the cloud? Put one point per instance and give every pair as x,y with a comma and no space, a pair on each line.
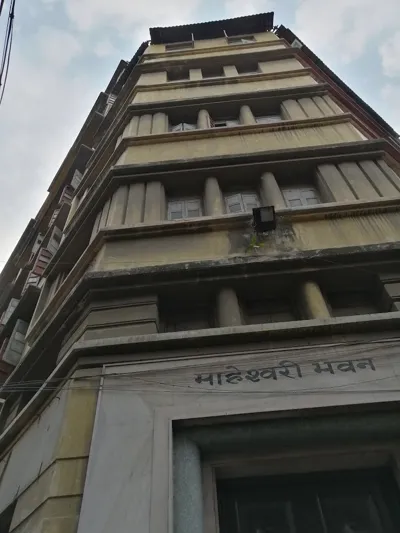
43,108
125,16
390,56
240,8
345,27
104,48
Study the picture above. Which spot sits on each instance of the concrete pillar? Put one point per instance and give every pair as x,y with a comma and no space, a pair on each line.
310,108
312,301
291,110
358,181
95,227
160,123
326,110
230,70
154,205
378,179
270,191
188,493
228,308
203,119
332,185
145,125
246,115
41,303
389,172
213,201
333,105
72,210
104,215
119,199
195,74
135,204
131,130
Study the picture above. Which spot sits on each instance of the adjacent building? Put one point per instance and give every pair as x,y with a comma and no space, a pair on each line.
171,364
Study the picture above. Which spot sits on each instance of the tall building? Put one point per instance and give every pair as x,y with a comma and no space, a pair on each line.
200,327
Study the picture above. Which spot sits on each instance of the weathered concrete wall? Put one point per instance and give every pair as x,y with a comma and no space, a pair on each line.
226,88
46,467
289,237
250,142
204,44
129,487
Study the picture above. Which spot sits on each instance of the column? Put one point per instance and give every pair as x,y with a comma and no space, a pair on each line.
310,108
154,204
246,115
41,303
188,494
203,119
160,123
135,204
145,125
391,292
291,110
312,301
131,130
195,74
271,192
332,184
228,309
95,229
118,206
72,209
230,70
213,201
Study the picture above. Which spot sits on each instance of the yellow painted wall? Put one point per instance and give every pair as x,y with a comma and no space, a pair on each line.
182,147
286,239
227,87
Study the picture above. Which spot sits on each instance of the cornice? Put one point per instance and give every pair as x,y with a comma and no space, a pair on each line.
110,138
120,175
149,62
125,348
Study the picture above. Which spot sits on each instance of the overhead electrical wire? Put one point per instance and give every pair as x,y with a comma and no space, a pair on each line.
6,54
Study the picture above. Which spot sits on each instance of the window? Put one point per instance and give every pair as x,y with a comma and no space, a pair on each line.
264,311
224,123
301,196
342,502
181,209
244,39
179,46
268,119
248,68
182,126
187,320
178,74
241,202
350,302
212,72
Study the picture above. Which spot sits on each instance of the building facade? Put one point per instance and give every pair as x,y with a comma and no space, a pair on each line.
168,367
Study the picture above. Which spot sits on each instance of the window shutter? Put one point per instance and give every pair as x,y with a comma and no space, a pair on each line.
188,127
66,195
310,197
177,127
16,345
9,311
53,217
268,119
292,197
250,201
234,203
35,275
3,347
193,208
110,102
54,241
76,179
36,246
175,210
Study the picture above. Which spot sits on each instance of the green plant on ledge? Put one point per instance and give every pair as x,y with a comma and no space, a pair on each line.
255,243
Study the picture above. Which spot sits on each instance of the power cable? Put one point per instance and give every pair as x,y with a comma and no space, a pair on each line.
6,55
